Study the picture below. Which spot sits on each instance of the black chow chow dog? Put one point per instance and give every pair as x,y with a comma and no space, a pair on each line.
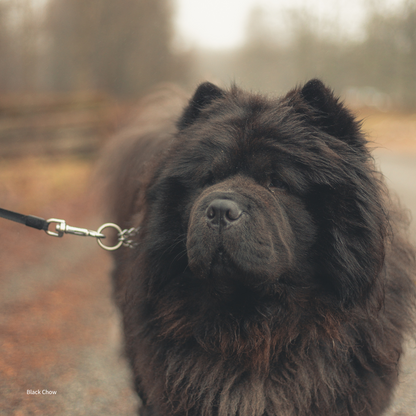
271,274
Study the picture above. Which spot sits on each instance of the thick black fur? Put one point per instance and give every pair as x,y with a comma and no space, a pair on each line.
271,275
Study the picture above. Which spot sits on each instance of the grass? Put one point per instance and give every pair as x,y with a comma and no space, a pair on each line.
30,184
393,131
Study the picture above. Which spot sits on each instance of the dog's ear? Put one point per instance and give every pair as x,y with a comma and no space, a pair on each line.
317,95
325,111
205,94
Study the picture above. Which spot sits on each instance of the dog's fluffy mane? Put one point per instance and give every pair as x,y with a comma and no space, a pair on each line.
332,345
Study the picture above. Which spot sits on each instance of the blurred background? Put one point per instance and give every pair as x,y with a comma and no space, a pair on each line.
69,68
363,48
72,71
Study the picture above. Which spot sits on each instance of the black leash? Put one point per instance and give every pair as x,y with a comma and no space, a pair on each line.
29,220
61,228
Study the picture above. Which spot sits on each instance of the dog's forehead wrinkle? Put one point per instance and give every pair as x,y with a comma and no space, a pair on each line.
239,156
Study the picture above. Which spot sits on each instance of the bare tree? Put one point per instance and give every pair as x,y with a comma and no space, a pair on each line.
5,47
122,47
388,53
385,59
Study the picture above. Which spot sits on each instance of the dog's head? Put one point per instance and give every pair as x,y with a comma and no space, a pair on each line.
267,193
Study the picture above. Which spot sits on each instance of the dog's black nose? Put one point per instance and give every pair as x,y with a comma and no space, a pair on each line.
222,213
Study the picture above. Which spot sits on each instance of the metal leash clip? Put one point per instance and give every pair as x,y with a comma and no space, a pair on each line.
124,237
62,228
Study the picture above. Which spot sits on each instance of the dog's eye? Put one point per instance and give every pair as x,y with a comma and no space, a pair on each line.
209,179
275,183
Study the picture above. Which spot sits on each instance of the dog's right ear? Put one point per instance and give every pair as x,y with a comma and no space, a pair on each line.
204,95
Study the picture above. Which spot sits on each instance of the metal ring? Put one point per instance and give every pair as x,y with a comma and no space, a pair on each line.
110,225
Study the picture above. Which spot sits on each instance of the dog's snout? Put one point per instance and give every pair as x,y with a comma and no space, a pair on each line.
223,213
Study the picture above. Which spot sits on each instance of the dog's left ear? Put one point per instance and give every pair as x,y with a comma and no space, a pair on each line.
325,111
318,95
205,94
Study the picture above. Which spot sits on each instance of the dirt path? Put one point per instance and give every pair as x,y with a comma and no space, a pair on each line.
400,172
60,332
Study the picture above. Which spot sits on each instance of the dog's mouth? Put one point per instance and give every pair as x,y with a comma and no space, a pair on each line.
229,257
224,279
233,237
222,266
